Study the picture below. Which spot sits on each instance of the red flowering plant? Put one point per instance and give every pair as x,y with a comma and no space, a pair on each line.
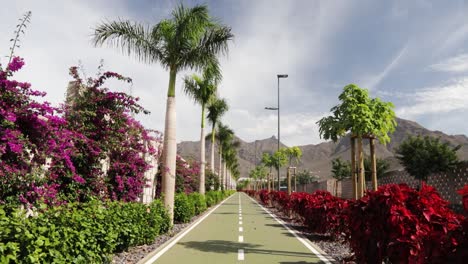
401,225
264,196
320,211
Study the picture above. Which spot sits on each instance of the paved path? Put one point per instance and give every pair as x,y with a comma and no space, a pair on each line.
238,231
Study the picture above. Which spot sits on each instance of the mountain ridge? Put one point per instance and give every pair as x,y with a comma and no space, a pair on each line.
317,157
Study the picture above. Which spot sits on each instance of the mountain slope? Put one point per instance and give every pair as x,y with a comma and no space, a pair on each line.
317,158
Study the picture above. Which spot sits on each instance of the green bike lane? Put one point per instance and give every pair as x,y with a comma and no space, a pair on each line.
238,231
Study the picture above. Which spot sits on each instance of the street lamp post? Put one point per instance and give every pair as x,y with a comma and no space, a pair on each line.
278,108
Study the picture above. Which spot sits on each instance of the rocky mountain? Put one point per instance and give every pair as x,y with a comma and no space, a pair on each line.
317,158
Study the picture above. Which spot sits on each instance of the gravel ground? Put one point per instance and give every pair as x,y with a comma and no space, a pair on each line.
135,254
337,249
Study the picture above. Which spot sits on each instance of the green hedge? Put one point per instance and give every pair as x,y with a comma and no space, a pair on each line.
91,232
184,209
79,233
199,202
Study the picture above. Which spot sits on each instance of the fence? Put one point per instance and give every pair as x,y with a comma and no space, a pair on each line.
446,184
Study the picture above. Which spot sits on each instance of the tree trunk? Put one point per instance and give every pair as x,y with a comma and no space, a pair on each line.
212,150
373,164
225,175
170,149
288,175
361,181
201,188
220,175
353,167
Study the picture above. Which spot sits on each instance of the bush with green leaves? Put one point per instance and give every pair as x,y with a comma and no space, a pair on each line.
422,156
79,233
184,209
198,201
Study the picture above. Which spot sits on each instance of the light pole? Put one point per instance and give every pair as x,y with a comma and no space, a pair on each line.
278,108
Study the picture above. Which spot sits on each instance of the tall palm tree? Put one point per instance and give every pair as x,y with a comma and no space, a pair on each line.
216,109
230,155
203,91
190,39
224,135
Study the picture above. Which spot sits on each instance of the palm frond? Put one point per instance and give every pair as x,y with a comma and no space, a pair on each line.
216,109
132,38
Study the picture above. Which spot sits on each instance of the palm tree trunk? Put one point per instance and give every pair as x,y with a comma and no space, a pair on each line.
224,175
220,175
170,148
201,188
212,149
373,164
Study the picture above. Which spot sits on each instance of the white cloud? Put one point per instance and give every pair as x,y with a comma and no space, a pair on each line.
455,64
442,99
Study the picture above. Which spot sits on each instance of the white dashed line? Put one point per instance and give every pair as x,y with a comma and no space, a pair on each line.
240,254
240,222
241,239
241,229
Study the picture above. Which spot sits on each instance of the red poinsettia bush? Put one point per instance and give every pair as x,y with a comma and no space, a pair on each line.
264,196
401,225
320,211
280,200
250,193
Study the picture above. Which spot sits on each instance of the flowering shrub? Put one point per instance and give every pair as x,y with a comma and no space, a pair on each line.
31,132
401,225
320,211
55,155
103,117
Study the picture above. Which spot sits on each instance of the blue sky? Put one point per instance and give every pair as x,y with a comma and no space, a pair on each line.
412,53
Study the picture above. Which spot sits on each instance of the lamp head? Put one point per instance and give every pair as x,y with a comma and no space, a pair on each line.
282,76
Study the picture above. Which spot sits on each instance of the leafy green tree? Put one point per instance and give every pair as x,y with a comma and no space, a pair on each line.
258,174
190,39
202,89
279,159
305,177
340,170
423,156
212,181
381,164
293,154
362,116
216,109
267,161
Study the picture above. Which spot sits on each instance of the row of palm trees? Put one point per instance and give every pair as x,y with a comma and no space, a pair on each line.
189,40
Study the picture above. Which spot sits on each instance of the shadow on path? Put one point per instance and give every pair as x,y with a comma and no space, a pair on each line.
221,246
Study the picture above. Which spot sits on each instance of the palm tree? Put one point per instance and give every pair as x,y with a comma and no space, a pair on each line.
203,91
229,155
190,39
216,109
223,136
